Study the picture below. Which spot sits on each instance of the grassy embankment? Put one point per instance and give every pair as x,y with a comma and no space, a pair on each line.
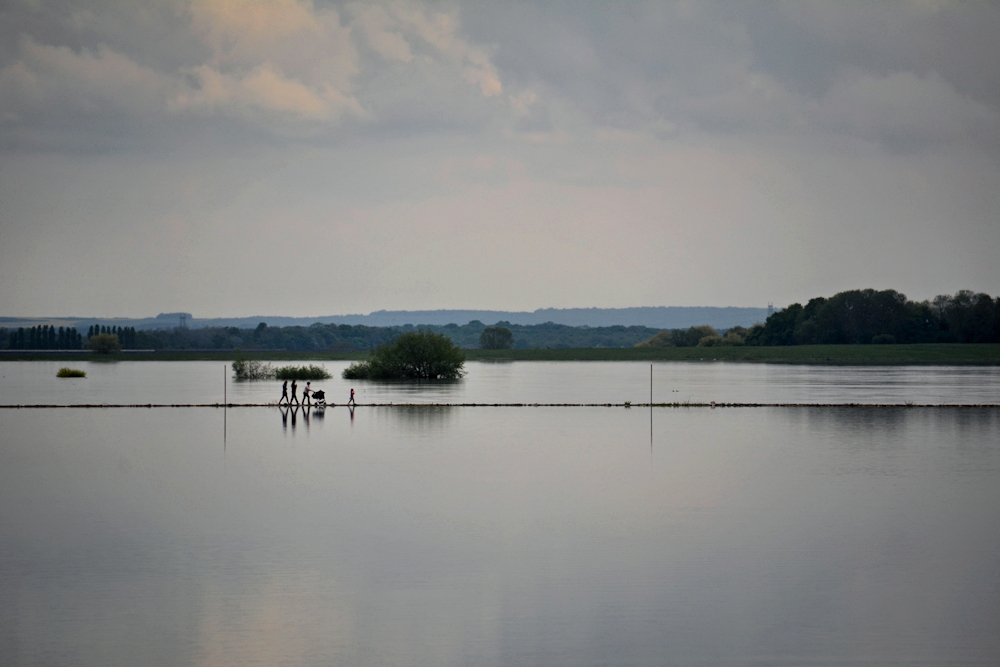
969,354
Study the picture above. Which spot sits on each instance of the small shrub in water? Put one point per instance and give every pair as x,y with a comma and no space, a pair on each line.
249,369
310,372
70,373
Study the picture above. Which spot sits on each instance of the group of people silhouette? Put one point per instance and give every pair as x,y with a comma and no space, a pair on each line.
307,392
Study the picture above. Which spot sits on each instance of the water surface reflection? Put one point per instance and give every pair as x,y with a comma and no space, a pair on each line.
518,382
500,536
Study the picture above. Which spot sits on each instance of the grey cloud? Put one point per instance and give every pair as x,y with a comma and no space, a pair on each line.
807,45
905,75
905,109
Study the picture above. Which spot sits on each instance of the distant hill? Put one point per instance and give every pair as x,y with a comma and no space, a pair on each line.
657,317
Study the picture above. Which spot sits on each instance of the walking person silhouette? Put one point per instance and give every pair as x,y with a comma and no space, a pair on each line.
350,401
295,388
284,393
305,394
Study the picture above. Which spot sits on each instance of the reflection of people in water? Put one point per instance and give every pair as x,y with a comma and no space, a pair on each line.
284,418
284,393
350,408
305,394
295,411
350,401
295,388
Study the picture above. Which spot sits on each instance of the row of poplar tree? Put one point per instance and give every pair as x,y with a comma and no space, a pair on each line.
126,335
45,337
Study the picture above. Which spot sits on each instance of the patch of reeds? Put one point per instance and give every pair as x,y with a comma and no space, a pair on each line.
310,372
70,373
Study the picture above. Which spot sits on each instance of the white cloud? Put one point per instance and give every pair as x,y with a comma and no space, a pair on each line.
282,58
387,30
47,79
381,31
274,67
263,90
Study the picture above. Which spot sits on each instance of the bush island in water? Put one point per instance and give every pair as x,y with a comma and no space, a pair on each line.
249,369
416,355
310,372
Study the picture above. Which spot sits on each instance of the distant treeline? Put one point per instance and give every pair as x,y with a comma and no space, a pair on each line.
870,316
354,338
853,317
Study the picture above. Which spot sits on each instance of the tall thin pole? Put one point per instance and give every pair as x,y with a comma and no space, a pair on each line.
651,385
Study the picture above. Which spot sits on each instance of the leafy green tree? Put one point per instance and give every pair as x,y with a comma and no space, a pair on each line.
496,338
778,329
415,355
104,343
735,336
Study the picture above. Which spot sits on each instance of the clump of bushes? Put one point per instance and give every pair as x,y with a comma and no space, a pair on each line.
681,337
310,372
415,355
104,343
699,336
70,373
249,369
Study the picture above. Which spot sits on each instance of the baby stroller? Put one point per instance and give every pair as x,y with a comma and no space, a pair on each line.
319,398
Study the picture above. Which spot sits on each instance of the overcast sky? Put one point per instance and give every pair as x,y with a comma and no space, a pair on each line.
243,157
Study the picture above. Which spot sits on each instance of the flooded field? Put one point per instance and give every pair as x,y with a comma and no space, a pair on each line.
35,382
478,536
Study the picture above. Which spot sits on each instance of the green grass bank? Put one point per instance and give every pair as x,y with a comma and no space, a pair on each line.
957,354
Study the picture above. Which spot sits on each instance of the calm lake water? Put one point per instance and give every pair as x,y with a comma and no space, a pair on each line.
502,536
35,382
